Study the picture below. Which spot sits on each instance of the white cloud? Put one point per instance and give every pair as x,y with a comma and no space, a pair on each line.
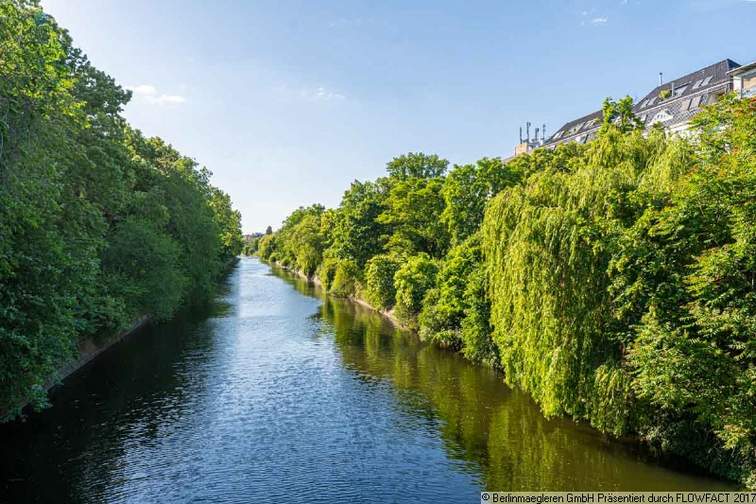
143,90
321,94
599,20
164,99
149,94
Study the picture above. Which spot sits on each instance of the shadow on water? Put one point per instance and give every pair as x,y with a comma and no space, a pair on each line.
495,432
138,388
276,390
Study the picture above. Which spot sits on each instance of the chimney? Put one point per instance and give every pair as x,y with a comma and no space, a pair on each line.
527,129
661,78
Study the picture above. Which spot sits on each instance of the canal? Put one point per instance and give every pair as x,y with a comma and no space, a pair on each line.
277,394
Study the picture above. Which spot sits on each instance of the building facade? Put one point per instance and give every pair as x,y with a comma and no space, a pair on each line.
671,104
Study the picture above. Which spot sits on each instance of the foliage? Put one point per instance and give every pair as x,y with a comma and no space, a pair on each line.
613,281
444,307
379,280
622,285
417,165
415,277
477,344
413,214
98,225
357,235
466,190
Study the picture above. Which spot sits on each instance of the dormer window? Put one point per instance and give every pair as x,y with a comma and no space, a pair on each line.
706,80
691,103
662,116
575,128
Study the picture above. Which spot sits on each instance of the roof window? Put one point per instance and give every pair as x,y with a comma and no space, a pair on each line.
662,116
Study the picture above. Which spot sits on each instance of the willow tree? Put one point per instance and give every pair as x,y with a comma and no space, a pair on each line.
547,245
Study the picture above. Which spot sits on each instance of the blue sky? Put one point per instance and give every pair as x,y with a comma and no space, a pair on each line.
287,102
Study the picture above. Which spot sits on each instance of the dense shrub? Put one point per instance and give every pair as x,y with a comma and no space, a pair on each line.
415,277
477,343
345,278
444,307
379,280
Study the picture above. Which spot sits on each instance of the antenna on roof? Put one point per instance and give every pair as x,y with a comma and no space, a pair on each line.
536,137
520,134
527,129
661,78
543,132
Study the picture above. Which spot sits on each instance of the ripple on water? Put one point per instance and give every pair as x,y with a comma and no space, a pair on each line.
282,394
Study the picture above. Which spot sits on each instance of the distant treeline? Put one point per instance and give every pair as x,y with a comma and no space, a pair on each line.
614,281
98,225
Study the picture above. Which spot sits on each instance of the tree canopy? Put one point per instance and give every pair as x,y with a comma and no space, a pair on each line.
613,280
99,225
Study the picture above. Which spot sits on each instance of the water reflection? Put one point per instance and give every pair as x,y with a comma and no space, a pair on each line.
498,433
278,391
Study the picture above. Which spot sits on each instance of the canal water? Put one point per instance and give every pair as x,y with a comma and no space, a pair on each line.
277,394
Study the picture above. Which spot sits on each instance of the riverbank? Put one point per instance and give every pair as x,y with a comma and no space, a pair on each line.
643,444
387,314
91,348
276,390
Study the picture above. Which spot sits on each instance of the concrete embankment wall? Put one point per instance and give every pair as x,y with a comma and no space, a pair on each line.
88,349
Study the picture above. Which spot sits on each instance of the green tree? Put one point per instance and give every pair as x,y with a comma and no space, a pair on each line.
466,190
413,214
417,165
415,277
379,280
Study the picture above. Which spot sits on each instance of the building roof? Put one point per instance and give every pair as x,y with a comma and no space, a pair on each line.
743,69
684,95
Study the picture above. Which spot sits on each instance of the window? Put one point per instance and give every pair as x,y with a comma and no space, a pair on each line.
662,116
749,82
706,80
704,99
557,135
697,84
679,91
651,101
694,102
686,104
643,118
642,104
